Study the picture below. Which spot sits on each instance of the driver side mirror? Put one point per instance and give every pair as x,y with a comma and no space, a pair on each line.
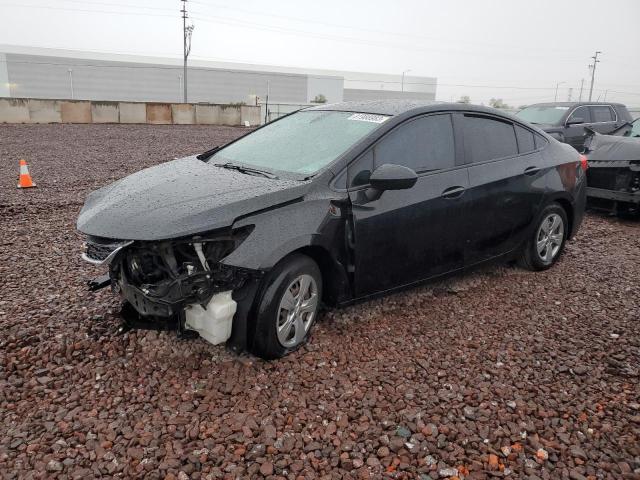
575,121
392,177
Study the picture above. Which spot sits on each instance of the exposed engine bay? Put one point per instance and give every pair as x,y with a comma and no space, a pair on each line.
178,282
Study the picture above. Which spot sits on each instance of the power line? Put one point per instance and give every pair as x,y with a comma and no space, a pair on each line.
369,30
81,10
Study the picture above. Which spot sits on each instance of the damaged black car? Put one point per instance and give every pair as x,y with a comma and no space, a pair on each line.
333,204
614,176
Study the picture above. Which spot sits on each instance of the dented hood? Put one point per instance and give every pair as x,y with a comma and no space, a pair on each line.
179,198
612,148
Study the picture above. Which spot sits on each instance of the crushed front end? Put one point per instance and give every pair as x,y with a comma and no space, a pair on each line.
614,173
177,284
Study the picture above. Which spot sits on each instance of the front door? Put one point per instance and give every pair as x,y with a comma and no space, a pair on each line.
405,236
574,133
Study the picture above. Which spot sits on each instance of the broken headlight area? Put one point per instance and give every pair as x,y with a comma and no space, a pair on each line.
161,278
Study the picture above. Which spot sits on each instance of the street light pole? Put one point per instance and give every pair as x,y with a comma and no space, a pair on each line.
402,82
71,82
593,72
557,85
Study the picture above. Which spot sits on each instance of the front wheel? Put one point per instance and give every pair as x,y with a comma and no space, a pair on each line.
288,306
545,245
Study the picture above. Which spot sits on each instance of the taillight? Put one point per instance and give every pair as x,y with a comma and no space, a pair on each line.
584,163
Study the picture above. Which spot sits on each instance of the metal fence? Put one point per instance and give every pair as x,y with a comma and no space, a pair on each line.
273,111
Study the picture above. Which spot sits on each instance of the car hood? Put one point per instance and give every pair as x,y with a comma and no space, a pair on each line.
179,198
609,148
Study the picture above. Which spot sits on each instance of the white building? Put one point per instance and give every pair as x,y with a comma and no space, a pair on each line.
27,72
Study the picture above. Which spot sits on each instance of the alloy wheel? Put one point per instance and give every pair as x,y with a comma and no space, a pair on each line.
297,311
549,237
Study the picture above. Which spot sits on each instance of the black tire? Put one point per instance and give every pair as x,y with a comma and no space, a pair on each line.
530,257
266,343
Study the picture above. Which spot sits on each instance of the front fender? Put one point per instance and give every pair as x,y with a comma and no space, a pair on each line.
279,232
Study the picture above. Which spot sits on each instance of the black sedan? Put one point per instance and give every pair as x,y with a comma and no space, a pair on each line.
329,205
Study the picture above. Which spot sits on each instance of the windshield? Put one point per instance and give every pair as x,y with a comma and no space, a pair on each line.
303,142
546,114
635,131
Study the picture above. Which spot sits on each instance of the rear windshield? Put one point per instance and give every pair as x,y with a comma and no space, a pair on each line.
549,115
304,142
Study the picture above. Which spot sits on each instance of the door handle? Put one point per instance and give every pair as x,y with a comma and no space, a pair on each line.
531,170
453,192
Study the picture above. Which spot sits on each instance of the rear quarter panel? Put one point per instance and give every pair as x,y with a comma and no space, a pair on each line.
566,181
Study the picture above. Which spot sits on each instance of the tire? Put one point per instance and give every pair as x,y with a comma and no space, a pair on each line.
544,247
282,323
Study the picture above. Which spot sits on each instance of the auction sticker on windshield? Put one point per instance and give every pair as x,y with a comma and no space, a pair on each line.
367,117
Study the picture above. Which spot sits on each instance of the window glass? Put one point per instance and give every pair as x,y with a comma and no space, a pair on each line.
340,180
303,142
635,129
542,114
360,170
602,113
422,144
525,139
487,139
580,113
541,142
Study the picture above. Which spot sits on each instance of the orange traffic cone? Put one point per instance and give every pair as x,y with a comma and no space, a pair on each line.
25,178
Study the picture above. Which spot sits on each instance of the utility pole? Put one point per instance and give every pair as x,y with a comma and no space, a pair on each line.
593,72
557,85
187,31
570,94
581,87
402,82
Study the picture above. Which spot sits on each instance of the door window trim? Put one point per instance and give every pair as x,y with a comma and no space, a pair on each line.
615,113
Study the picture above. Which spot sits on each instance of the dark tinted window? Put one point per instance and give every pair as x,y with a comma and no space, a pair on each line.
422,144
359,171
541,142
602,113
487,139
580,113
525,139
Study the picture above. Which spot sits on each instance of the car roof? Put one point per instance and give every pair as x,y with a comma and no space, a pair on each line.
572,104
398,107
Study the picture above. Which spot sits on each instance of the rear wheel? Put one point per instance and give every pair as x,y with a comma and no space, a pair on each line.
288,307
545,245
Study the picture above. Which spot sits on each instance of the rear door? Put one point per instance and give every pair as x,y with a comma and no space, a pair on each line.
603,118
574,133
506,184
405,236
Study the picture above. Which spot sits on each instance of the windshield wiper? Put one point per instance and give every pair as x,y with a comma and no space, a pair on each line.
247,170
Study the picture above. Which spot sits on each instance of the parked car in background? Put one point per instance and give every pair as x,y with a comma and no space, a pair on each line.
614,176
330,205
566,121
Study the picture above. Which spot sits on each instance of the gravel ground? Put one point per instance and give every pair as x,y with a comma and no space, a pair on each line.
499,373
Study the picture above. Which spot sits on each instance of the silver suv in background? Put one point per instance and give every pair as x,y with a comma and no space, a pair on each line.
566,121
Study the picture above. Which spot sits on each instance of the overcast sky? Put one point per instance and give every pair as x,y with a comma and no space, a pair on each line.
511,49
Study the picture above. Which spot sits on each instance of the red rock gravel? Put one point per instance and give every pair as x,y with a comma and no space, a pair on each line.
499,373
